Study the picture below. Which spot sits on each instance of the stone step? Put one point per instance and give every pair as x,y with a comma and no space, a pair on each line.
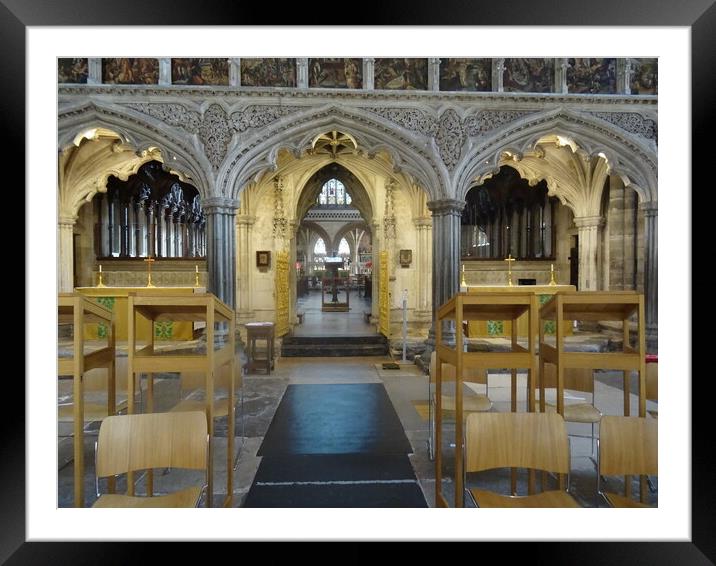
377,339
333,350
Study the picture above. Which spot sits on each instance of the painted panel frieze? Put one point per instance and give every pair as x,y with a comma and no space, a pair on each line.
130,71
528,75
401,74
466,74
335,73
592,76
200,71
72,70
644,76
268,72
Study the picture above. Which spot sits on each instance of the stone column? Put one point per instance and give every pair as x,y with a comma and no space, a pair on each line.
446,257
560,75
302,72
94,71
244,226
165,71
221,251
588,227
651,274
369,74
423,225
65,276
234,71
623,73
433,73
498,68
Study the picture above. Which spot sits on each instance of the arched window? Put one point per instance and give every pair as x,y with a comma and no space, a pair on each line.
320,247
333,193
343,248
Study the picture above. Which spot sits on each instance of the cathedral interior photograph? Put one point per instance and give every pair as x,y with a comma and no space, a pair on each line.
357,282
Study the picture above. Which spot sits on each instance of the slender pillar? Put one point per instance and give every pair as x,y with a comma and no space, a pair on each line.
65,276
244,224
588,227
221,248
369,74
447,214
423,226
302,72
165,71
433,73
651,294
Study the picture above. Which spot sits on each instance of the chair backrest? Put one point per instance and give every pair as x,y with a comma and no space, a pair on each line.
516,440
652,381
191,380
128,443
96,379
472,375
628,446
576,379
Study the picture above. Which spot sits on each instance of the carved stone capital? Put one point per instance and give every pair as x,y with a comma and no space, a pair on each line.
589,221
649,208
245,220
446,206
65,221
423,222
219,205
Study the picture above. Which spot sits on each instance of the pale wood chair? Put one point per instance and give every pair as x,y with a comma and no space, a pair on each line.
535,441
130,443
627,446
473,402
652,385
575,379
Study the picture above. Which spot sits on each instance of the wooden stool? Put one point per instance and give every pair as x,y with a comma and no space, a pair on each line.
259,331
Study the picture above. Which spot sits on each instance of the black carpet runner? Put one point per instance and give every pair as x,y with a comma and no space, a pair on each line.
335,446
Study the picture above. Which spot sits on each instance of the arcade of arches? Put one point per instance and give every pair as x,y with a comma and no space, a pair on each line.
412,188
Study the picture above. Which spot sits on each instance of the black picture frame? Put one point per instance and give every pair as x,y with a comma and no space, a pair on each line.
406,258
699,15
263,259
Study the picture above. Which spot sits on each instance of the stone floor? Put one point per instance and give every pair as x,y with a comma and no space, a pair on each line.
317,323
407,389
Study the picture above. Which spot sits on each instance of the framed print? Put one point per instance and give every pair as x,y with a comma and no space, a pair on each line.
237,129
263,259
406,258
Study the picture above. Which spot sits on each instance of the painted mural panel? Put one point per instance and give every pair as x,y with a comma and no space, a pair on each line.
200,71
401,74
335,73
131,71
644,76
592,76
72,70
528,75
466,74
268,72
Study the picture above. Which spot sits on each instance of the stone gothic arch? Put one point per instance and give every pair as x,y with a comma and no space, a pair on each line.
633,158
141,132
245,162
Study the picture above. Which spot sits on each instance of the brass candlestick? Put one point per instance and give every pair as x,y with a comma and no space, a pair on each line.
150,260
509,259
99,283
196,277
462,279
552,280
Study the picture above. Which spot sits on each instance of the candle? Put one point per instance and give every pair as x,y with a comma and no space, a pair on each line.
551,267
100,268
197,268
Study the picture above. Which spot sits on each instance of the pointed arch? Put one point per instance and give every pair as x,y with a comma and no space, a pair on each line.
294,134
141,132
630,157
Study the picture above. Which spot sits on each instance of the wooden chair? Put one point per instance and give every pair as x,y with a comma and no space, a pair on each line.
627,446
95,387
192,383
536,441
575,380
129,443
474,402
